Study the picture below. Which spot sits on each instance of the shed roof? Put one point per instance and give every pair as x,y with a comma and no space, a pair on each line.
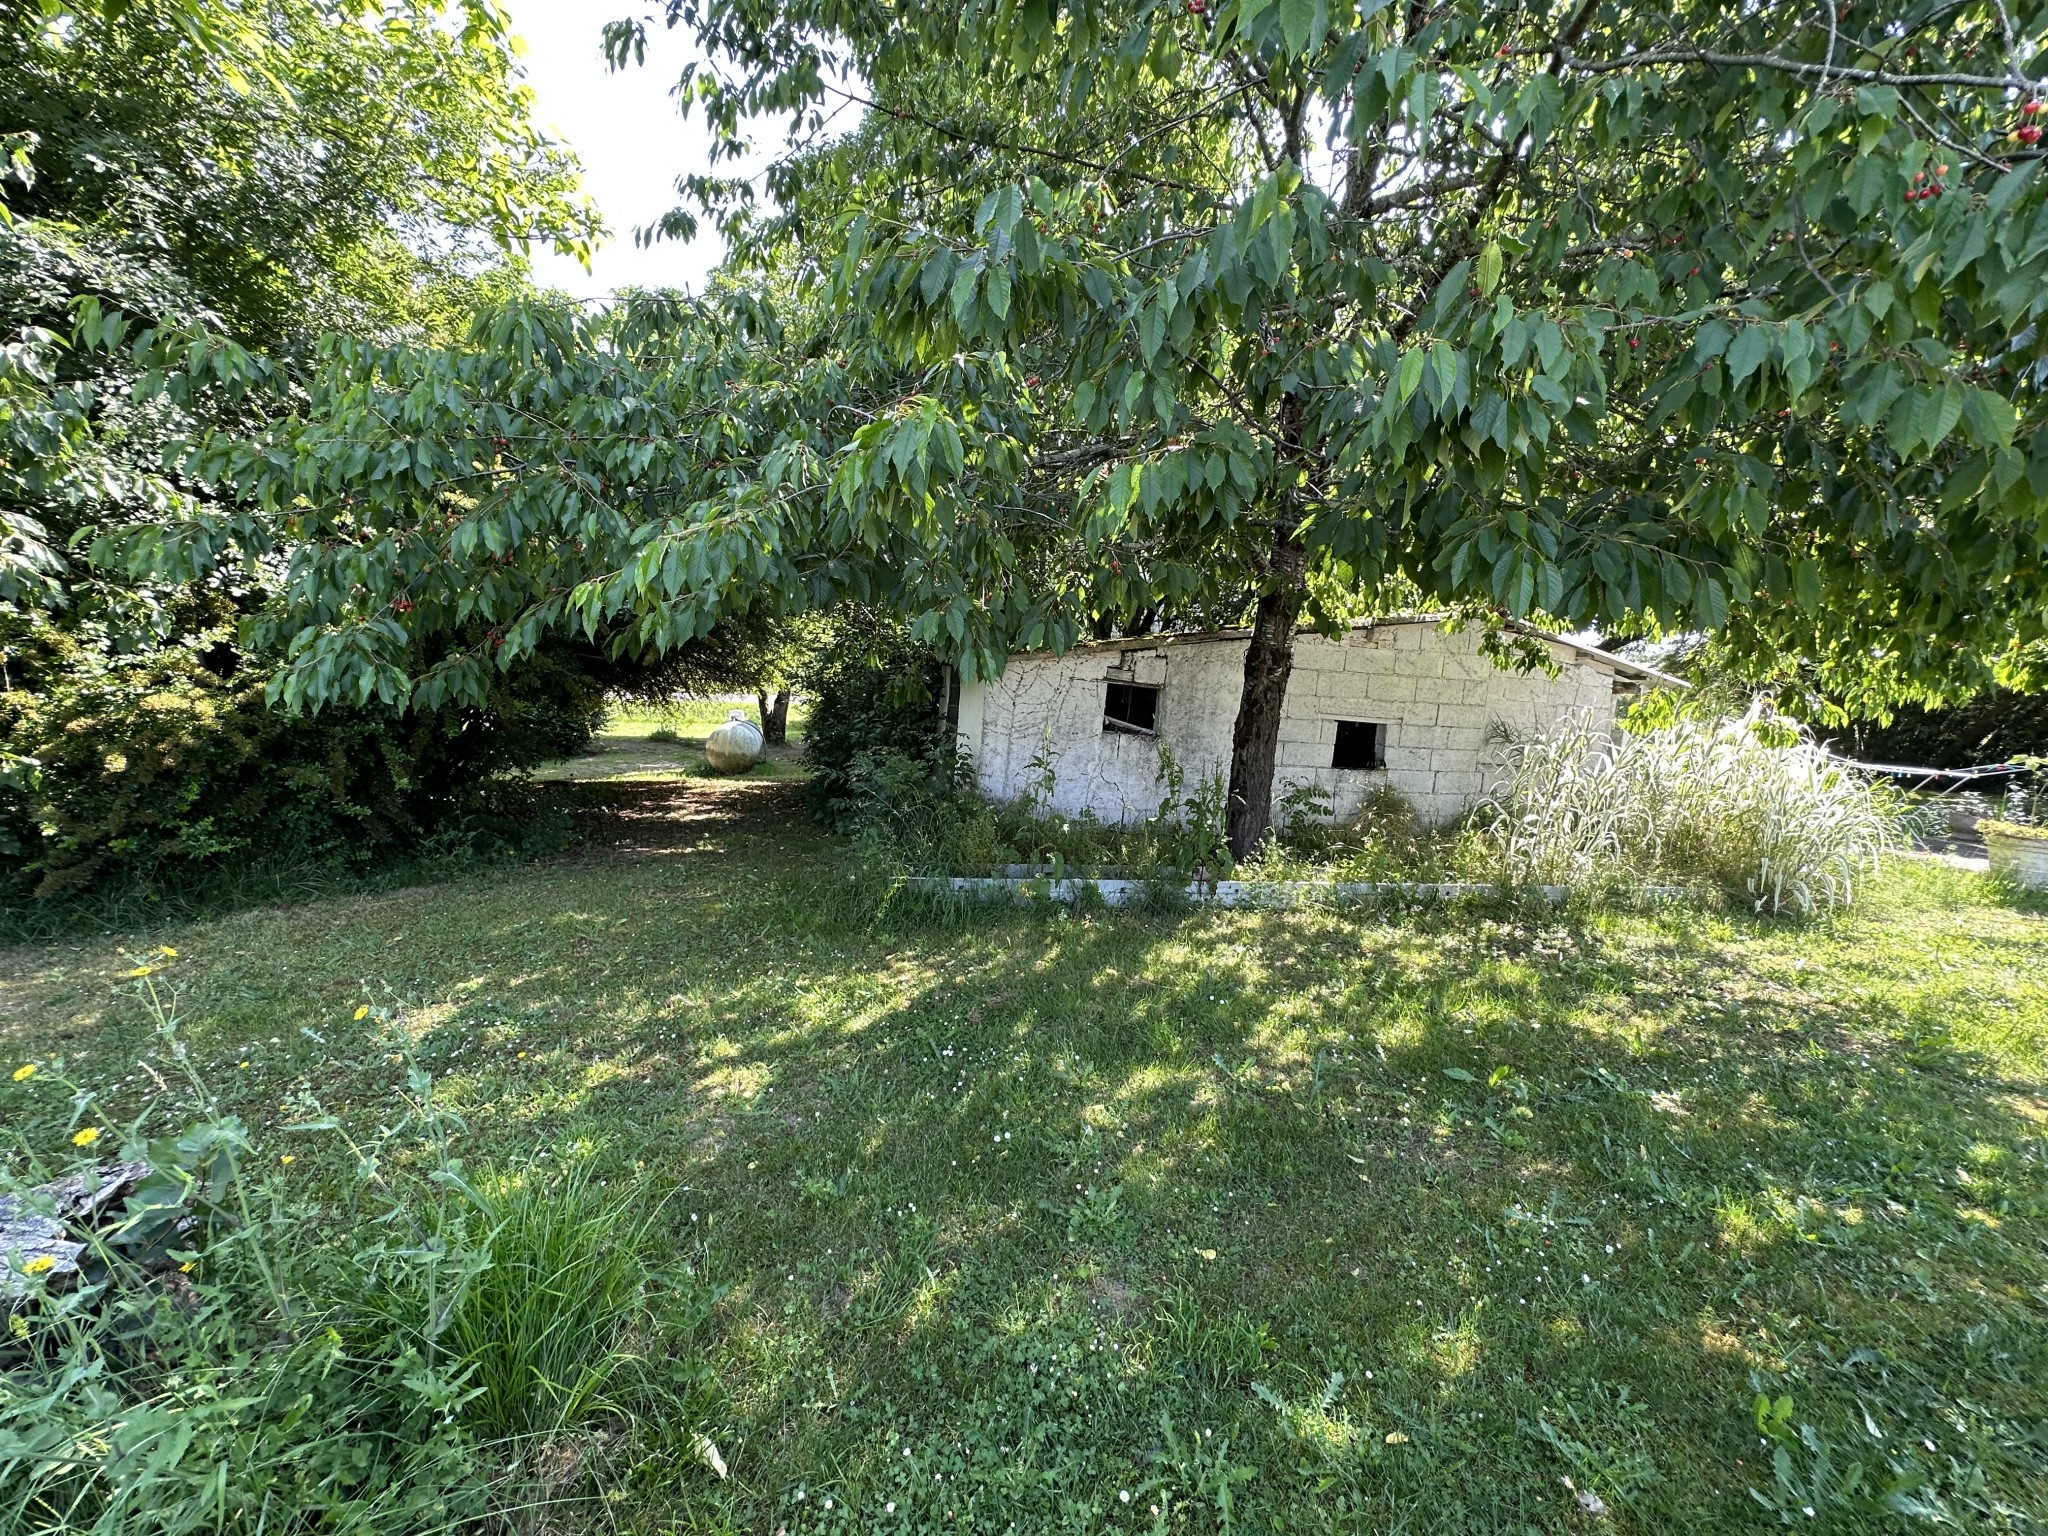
1619,665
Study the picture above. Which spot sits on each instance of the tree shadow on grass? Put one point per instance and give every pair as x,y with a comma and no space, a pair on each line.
1317,1221
665,817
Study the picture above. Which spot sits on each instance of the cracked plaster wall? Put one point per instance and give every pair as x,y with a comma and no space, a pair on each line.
1437,695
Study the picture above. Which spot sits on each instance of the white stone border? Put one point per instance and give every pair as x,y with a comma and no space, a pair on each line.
1246,893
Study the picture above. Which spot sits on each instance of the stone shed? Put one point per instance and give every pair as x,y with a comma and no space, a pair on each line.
1395,702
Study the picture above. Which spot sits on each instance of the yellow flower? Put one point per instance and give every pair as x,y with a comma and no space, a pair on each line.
86,1137
140,970
360,1012
241,1066
23,1074
41,1264
167,951
286,1158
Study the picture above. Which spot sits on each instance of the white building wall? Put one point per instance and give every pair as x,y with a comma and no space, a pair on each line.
1439,697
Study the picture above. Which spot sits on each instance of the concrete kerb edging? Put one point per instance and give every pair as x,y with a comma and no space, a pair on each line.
1245,893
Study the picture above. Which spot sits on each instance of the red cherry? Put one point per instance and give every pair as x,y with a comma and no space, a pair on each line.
2029,135
2031,109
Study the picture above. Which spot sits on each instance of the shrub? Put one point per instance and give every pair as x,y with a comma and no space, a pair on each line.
164,766
1751,804
877,744
2027,830
663,733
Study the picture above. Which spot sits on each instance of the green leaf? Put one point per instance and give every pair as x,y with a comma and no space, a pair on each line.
2010,186
1443,359
1939,413
1798,358
1710,603
1411,373
1488,271
1747,352
1297,21
963,292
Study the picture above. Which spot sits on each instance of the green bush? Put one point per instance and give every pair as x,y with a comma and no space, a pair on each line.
877,744
422,1351
163,766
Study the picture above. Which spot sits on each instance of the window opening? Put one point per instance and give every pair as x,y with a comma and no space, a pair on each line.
1360,744
1130,707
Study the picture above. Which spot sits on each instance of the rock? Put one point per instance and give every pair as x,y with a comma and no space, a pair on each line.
77,1203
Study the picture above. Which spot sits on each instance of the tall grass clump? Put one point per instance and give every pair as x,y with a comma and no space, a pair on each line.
1751,804
558,1311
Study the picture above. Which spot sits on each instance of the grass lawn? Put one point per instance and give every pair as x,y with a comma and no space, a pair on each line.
1458,1220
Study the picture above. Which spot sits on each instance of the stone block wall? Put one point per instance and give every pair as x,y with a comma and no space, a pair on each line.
1444,705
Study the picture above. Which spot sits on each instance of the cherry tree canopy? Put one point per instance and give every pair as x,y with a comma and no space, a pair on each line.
1646,317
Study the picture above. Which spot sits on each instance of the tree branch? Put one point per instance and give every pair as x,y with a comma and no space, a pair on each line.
1651,56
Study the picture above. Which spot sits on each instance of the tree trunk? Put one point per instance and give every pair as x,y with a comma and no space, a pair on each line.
1268,662
774,717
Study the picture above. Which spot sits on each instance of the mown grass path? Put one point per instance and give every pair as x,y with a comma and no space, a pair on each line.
1219,1220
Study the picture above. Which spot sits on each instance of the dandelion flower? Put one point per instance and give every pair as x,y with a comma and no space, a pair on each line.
23,1074
363,1011
86,1137
286,1158
167,952
41,1264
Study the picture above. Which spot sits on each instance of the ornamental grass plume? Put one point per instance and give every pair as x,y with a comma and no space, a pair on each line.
1750,803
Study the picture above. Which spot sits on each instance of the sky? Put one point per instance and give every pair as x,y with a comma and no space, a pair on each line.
626,130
